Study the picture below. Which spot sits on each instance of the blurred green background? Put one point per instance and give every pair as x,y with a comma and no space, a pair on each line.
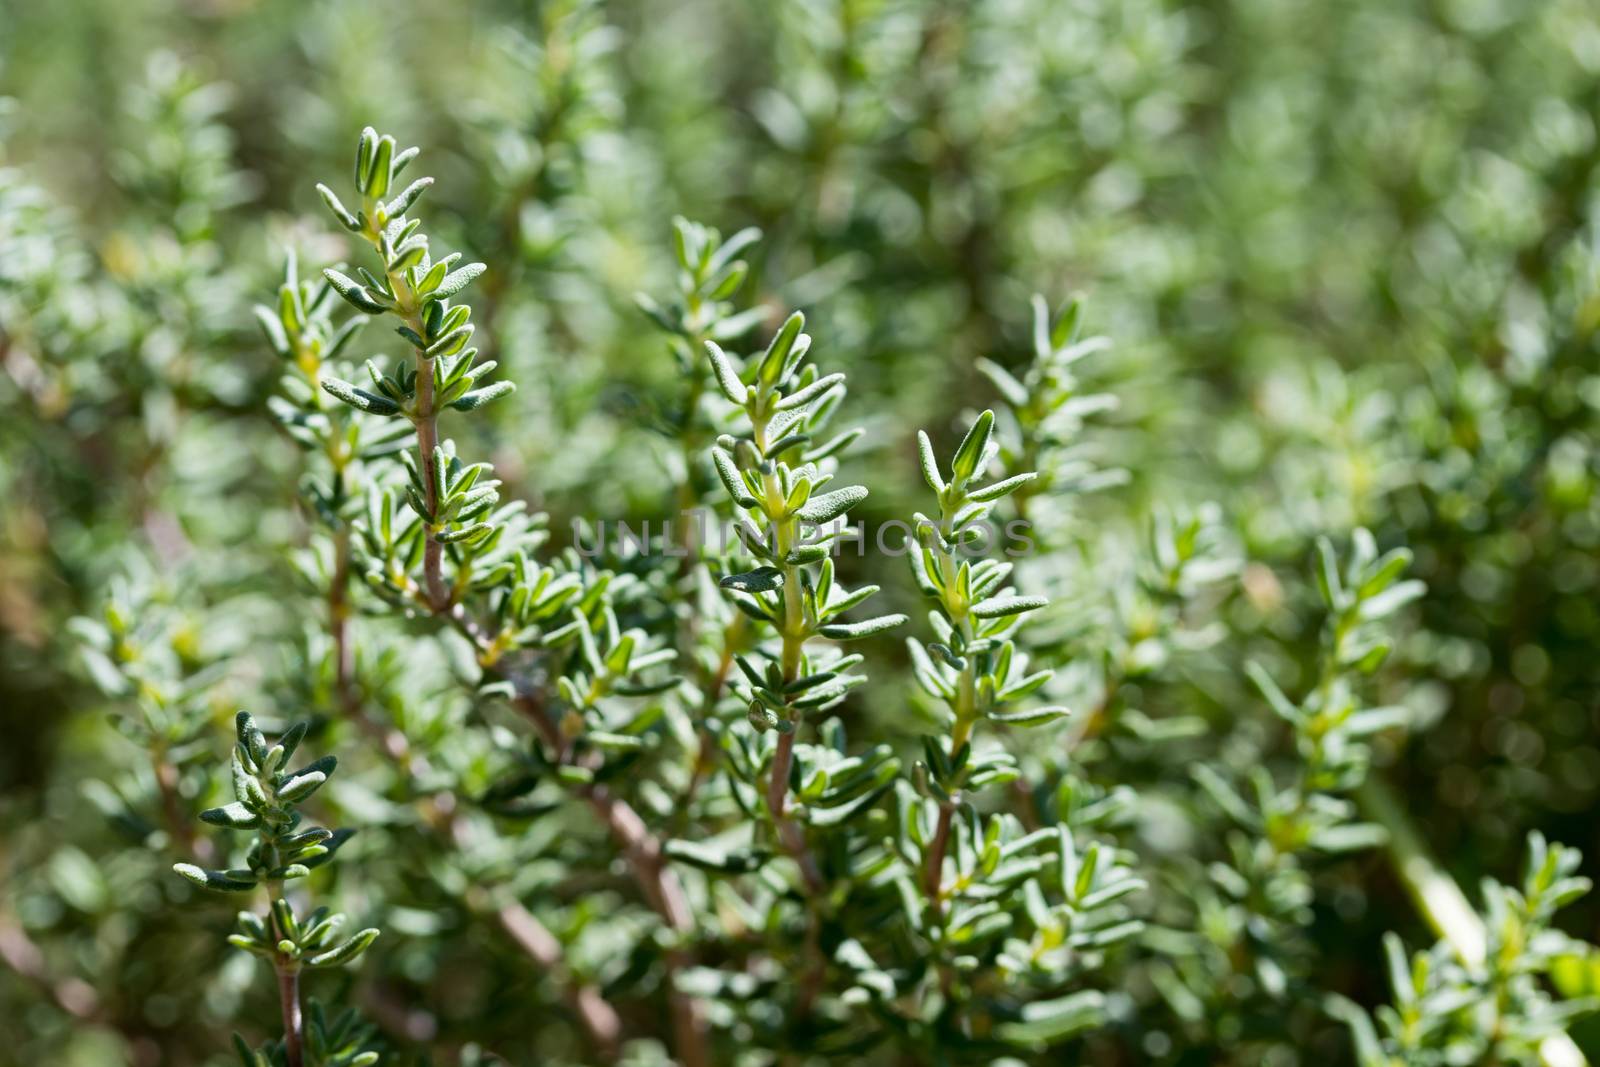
1347,253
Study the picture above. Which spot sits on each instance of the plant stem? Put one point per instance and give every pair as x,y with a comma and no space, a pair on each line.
933,874
1434,892
19,952
966,710
778,784
289,1001
793,632
706,758
427,443
660,884
1441,900
166,774
691,452
339,624
599,1018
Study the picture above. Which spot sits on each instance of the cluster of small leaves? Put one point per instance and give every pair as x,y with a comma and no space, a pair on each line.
454,504
974,667
1496,1009
144,649
301,331
982,891
1160,610
414,288
1041,908
710,274
1258,897
607,679
149,652
339,1040
52,343
1330,725
776,478
184,156
268,796
831,786
1046,408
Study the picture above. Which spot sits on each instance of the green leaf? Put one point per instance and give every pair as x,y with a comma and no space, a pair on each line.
930,463
730,248
1276,700
778,352
360,399
1000,489
301,786
340,212
829,506
715,858
833,446
1392,599
332,844
835,814
972,450
408,196
732,481
451,341
805,395
1577,973
234,815
1327,574
1000,606
1033,717
760,580
1046,1022
783,444
345,952
479,397
272,326
727,378
853,631
219,881
1349,837
1014,392
362,298
457,280
379,173
722,286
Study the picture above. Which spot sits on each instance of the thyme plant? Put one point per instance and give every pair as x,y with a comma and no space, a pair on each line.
268,798
1221,659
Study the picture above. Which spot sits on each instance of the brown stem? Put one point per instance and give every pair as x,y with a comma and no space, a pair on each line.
789,834
19,952
596,1014
1023,794
933,874
346,691
172,809
339,624
778,784
794,842
706,759
427,443
656,879
289,1000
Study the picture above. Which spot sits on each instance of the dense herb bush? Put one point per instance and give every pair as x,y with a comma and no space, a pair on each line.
1199,670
